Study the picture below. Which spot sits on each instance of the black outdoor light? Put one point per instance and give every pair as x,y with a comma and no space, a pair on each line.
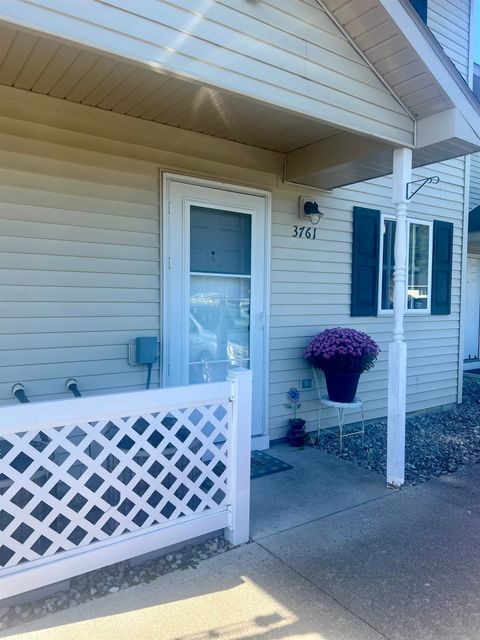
309,210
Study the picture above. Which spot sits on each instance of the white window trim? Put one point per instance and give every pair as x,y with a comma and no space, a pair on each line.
408,312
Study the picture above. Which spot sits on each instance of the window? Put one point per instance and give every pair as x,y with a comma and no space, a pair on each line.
429,271
388,264
419,265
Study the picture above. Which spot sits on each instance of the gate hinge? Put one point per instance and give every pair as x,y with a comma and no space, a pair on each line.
230,516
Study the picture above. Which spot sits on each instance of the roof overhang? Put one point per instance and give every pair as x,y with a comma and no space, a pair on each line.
345,159
405,53
319,150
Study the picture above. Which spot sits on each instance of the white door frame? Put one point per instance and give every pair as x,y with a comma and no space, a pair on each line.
259,441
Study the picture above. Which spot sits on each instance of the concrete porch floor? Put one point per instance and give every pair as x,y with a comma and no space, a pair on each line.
336,556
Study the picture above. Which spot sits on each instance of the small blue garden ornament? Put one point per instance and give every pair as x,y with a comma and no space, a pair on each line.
293,395
296,435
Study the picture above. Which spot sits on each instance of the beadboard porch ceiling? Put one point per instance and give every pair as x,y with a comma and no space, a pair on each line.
44,65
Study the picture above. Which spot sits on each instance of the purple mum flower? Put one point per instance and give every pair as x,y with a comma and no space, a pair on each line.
342,350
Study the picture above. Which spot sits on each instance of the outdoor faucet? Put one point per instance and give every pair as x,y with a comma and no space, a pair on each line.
72,386
18,390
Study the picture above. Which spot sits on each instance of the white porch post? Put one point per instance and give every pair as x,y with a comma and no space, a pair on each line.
238,478
397,350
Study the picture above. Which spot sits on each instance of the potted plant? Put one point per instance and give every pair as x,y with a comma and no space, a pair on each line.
343,355
296,434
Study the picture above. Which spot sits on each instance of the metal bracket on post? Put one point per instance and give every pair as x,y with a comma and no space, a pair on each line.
422,182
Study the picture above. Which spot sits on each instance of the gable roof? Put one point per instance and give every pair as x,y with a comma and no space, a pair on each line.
404,52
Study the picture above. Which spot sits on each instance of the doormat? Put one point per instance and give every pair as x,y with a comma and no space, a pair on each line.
477,371
264,465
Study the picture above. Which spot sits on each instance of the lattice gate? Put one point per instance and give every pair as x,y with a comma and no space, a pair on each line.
88,482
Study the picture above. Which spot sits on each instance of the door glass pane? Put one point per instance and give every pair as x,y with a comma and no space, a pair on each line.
220,241
220,248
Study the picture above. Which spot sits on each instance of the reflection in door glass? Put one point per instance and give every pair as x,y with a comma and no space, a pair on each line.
219,326
220,257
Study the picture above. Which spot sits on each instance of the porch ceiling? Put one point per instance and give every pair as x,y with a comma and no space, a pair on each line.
51,67
421,86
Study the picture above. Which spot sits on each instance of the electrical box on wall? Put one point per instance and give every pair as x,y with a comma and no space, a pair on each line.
146,348
143,351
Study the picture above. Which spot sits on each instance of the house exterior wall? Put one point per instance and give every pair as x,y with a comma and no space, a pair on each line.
80,238
80,242
80,274
311,285
449,21
288,54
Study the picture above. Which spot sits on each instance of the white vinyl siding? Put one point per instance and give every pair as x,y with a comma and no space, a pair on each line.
79,272
287,54
79,238
80,255
449,21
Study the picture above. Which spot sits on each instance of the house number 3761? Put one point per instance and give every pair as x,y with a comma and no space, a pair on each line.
304,232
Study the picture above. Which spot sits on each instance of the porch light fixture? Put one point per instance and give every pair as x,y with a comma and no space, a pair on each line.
308,210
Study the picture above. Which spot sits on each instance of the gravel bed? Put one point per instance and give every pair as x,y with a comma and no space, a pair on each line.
435,443
111,579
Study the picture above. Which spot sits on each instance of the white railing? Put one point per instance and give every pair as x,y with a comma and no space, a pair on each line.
92,481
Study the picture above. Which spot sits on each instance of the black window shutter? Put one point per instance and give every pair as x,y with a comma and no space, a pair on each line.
442,267
365,261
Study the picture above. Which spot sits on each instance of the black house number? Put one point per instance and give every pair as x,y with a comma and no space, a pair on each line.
304,232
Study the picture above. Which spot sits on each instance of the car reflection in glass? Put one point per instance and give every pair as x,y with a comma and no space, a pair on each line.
215,350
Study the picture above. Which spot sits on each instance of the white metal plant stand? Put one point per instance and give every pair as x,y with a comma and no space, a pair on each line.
341,407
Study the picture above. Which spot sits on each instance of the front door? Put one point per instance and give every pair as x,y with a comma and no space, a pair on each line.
214,303
472,310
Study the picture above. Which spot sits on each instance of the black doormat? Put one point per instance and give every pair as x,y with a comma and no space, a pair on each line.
263,465
477,371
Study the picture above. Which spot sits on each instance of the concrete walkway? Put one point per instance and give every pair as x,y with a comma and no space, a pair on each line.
336,556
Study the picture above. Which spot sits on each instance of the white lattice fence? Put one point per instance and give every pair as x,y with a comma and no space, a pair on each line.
79,475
